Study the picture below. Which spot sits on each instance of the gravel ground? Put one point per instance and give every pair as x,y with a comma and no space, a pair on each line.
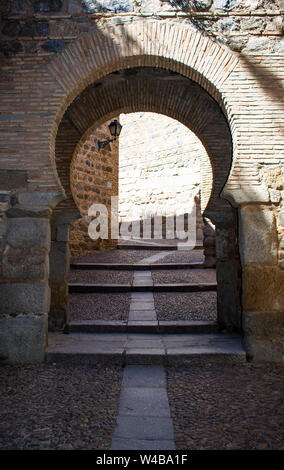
179,256
99,306
184,275
58,406
115,256
100,276
186,306
228,407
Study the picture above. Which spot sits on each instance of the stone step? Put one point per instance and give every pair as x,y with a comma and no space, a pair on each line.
141,287
135,267
123,348
157,246
149,327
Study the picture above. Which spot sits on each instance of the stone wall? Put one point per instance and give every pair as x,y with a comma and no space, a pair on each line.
159,168
94,180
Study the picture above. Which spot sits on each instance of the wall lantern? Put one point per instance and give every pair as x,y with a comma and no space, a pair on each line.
114,129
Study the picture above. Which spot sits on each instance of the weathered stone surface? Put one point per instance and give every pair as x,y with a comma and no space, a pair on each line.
11,28
4,202
264,324
53,46
257,44
229,295
25,266
258,193
237,44
25,233
264,350
18,212
13,179
117,6
23,339
225,4
74,6
33,28
225,242
91,6
59,309
3,227
24,298
263,288
202,4
62,233
258,240
45,6
252,23
59,258
228,24
39,198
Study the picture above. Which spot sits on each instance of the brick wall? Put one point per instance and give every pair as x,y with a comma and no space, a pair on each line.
159,167
93,179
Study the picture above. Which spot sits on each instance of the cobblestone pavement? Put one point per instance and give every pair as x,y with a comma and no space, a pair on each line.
227,407
115,256
181,256
101,276
50,406
174,306
99,306
184,276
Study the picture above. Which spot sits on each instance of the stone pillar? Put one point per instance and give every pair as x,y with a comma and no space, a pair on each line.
209,243
228,270
263,284
24,290
59,268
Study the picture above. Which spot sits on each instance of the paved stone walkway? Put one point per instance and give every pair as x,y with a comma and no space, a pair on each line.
140,345
144,419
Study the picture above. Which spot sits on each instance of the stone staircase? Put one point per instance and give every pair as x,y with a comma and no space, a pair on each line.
142,338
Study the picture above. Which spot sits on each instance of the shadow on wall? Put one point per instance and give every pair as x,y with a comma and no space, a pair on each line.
266,79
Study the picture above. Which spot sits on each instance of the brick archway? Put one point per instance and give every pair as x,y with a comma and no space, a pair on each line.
143,44
165,92
157,90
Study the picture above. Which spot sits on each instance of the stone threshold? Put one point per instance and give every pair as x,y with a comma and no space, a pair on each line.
136,267
141,287
150,327
156,247
123,349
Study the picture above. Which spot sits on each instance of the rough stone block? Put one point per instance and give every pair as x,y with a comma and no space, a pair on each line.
117,6
224,4
228,299
225,242
264,324
24,298
53,46
258,238
59,260
264,350
26,233
46,6
25,266
59,308
39,198
23,339
62,233
263,289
